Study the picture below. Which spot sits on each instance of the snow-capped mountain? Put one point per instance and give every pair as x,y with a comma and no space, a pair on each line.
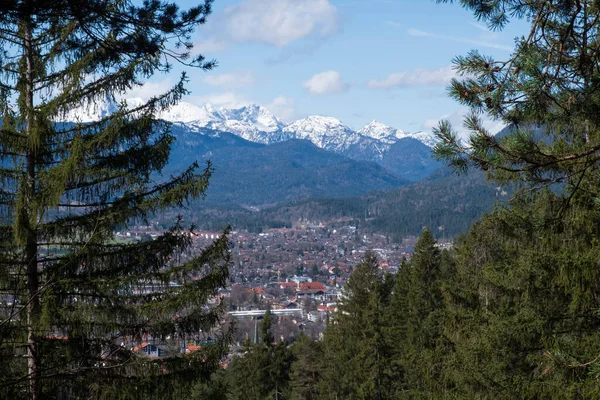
193,115
325,132
258,116
389,135
382,132
427,138
252,122
257,124
90,112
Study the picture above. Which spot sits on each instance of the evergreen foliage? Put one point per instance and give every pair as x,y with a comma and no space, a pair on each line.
306,369
263,371
522,314
522,310
356,352
550,81
75,302
416,318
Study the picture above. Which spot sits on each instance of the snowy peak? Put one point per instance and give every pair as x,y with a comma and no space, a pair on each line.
317,125
325,132
257,124
389,135
379,131
90,112
188,113
255,115
427,138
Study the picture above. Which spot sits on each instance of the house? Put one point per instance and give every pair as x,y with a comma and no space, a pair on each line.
291,304
312,286
310,293
149,349
313,316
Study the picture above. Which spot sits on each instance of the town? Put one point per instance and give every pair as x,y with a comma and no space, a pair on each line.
297,273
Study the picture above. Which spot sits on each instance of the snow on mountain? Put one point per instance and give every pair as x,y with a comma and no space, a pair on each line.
187,113
90,112
252,122
258,116
325,132
257,124
382,132
389,135
427,138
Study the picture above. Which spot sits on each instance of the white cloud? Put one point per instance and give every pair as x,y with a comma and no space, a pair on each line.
149,89
278,22
418,77
481,27
233,80
325,83
225,99
210,45
394,24
283,108
479,43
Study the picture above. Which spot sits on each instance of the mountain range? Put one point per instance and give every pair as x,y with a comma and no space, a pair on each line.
257,124
315,167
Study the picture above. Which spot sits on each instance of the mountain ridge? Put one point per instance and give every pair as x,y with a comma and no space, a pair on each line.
257,124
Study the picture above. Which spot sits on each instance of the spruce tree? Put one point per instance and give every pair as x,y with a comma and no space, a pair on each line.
356,351
76,302
263,371
306,369
416,317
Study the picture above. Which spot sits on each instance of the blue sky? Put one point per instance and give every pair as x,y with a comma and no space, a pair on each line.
356,60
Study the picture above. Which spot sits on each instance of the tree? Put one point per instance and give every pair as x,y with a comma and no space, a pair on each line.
77,302
416,316
522,313
356,352
263,371
547,91
305,370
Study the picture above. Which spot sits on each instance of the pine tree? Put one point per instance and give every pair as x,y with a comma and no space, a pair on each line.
77,301
416,316
263,371
522,312
357,354
547,91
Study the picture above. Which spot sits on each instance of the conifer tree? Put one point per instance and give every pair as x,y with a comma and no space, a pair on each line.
76,301
263,371
357,353
522,313
547,90
416,317
306,369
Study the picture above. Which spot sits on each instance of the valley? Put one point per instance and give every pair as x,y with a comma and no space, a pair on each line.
268,174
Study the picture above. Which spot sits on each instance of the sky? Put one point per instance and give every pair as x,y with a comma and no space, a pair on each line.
355,60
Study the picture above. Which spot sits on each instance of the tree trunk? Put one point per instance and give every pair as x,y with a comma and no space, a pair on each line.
33,360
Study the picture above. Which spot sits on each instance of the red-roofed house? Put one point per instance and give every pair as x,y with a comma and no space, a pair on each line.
312,286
